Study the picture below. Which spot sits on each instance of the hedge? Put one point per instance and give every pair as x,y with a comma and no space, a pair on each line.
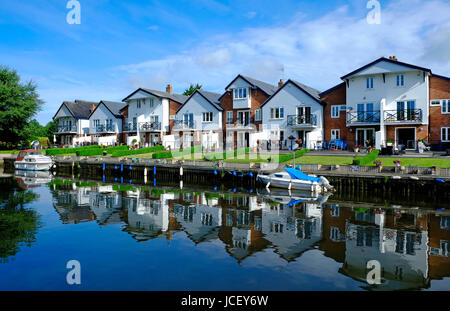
367,159
99,151
287,157
162,155
58,151
122,153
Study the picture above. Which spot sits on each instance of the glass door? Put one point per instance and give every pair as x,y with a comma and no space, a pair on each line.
361,112
410,107
400,111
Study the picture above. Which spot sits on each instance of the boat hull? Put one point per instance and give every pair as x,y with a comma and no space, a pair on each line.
32,166
291,184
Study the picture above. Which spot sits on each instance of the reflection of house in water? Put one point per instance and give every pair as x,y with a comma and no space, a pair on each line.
73,205
105,204
199,216
241,230
398,241
147,217
292,228
439,235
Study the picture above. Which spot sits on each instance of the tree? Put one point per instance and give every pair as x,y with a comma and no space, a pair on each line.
19,102
192,88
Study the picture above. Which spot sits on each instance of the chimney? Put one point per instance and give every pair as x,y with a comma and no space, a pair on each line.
393,58
93,107
169,88
280,84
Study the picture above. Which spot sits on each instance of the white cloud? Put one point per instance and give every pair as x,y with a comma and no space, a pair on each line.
316,52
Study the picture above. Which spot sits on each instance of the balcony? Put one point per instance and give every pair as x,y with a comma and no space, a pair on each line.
180,125
403,116
130,127
304,121
67,129
363,117
105,128
149,126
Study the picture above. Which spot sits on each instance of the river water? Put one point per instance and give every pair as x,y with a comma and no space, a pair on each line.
131,237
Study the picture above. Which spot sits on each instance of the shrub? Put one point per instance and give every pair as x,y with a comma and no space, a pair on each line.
90,152
60,151
162,155
122,153
367,159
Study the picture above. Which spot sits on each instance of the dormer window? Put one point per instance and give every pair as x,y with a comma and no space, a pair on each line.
240,93
400,80
369,83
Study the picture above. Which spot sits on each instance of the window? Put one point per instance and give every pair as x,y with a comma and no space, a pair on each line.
335,134
96,123
229,117
207,116
240,93
154,119
276,113
435,103
369,83
334,211
258,115
445,222
445,134
335,111
400,80
139,103
151,102
445,106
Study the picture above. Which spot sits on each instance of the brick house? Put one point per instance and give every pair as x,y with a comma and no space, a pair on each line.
385,102
150,115
439,133
242,115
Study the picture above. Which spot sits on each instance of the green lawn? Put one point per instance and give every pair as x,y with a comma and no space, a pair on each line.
7,151
322,160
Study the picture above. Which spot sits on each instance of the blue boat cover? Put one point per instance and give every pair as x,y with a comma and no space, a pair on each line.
294,202
296,174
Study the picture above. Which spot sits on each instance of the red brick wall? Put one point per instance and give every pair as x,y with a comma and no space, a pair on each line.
173,107
421,131
439,89
336,97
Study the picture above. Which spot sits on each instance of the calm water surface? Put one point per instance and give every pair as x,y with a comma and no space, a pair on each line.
141,238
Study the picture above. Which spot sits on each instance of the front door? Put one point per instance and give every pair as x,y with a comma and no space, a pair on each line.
302,135
406,137
188,140
154,139
243,140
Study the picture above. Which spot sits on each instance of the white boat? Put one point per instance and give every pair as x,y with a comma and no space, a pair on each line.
295,179
32,160
29,179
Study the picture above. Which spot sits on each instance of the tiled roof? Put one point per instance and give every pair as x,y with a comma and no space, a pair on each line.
114,107
268,88
176,97
80,109
311,91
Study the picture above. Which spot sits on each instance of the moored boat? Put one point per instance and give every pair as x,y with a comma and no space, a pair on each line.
32,160
292,178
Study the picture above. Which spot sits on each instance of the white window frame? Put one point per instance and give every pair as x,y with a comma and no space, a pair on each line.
445,108
447,133
230,116
336,131
369,83
277,110
400,80
138,104
207,117
335,108
151,102
258,115
435,102
238,93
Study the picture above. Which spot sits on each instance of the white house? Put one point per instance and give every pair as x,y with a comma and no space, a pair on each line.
105,123
72,119
295,110
199,120
387,101
150,115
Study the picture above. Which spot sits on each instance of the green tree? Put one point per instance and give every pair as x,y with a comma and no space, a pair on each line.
19,102
191,89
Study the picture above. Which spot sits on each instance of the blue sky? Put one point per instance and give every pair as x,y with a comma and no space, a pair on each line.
122,45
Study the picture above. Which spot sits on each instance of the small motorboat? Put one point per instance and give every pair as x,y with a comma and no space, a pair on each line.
32,160
30,179
295,179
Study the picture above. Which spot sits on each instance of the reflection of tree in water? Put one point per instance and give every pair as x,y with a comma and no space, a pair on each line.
17,223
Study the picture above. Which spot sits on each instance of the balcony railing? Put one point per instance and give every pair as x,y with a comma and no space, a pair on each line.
405,115
104,128
184,125
302,121
149,126
67,129
363,117
130,127
245,121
